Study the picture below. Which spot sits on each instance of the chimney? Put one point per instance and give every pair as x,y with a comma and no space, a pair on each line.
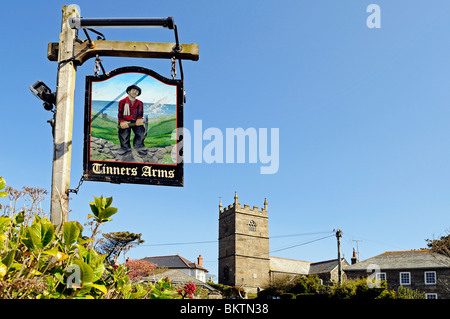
354,259
200,260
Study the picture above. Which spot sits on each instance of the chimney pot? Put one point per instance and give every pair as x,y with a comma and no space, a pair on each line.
354,259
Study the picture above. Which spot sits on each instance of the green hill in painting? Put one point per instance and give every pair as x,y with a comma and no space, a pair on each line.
158,134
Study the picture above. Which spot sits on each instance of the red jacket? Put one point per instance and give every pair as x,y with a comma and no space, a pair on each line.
136,110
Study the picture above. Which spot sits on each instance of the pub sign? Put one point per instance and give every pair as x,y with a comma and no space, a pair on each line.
133,122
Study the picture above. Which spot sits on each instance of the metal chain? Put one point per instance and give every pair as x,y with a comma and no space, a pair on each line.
78,187
97,65
173,72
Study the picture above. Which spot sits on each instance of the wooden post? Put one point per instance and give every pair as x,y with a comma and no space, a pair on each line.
71,52
338,236
62,147
83,50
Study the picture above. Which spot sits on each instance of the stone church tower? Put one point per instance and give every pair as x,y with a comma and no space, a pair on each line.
243,246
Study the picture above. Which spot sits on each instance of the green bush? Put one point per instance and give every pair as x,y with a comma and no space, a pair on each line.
306,284
39,262
406,293
228,292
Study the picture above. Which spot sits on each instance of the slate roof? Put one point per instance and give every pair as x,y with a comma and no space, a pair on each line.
412,259
300,267
285,265
174,262
326,266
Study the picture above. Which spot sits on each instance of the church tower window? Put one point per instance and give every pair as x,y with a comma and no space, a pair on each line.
252,225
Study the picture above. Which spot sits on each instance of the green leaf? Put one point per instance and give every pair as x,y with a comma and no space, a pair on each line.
47,232
99,287
71,232
84,297
98,271
9,258
95,261
2,183
108,201
99,202
3,270
87,274
4,221
109,212
51,252
94,209
19,218
3,194
32,237
84,241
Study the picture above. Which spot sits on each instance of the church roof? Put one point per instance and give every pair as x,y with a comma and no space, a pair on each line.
292,266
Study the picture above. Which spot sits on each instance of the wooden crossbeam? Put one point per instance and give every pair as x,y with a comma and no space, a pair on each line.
84,50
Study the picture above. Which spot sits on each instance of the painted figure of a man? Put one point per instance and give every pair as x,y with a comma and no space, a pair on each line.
131,118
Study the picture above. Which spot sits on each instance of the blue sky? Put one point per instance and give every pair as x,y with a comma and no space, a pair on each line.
363,117
153,91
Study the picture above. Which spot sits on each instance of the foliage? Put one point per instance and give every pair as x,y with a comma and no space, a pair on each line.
163,289
2,186
406,293
60,264
309,287
228,292
441,245
116,242
139,268
101,209
287,287
402,292
37,261
306,284
188,291
356,289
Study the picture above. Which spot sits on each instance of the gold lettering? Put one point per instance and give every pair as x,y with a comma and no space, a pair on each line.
146,171
96,168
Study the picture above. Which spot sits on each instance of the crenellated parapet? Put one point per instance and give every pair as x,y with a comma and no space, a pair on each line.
237,207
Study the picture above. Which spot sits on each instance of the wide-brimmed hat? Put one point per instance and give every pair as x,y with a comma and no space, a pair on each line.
134,87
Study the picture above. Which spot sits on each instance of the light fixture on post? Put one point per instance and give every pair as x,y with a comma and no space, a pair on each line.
44,93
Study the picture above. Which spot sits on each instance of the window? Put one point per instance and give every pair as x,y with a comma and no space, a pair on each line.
405,278
430,278
431,296
252,225
380,276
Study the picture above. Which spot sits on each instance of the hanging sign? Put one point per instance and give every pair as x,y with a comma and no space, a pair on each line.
133,122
